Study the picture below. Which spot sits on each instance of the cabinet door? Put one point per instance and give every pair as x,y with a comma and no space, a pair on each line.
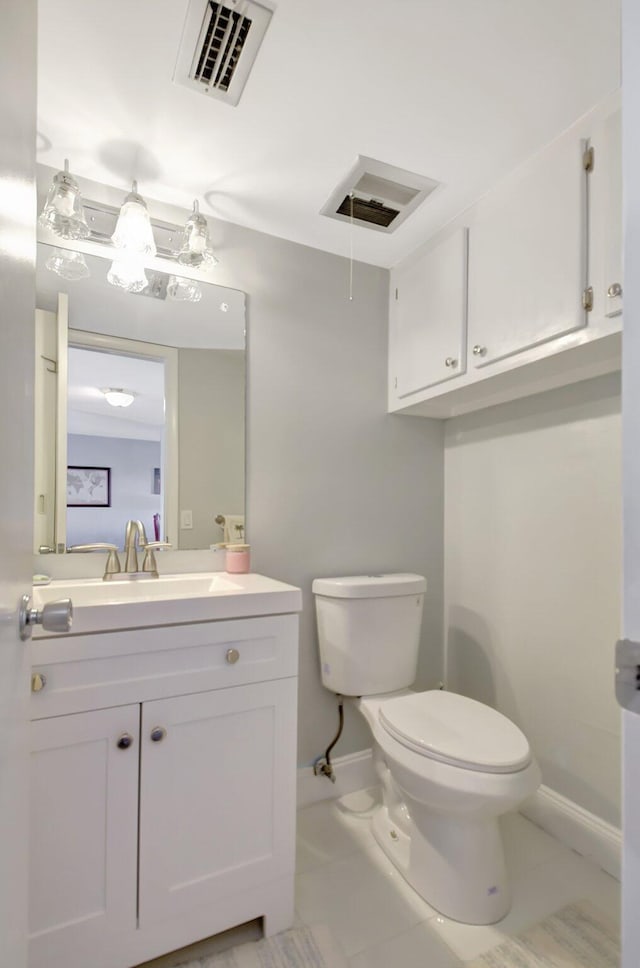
429,308
217,795
605,249
83,830
527,256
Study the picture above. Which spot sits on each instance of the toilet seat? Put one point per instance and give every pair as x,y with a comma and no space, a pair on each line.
455,730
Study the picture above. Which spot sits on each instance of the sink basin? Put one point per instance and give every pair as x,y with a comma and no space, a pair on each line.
101,606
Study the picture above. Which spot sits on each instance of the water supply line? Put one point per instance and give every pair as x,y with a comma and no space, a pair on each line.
322,764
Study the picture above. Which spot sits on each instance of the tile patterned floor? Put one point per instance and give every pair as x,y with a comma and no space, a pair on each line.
345,881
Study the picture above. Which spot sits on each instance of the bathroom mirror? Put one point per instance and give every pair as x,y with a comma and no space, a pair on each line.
140,410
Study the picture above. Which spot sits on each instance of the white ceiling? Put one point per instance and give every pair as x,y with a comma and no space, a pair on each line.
458,90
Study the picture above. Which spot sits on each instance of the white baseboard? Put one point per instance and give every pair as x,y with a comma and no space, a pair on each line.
577,828
353,772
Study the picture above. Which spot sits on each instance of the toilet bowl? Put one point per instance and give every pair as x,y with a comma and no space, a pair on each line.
448,766
438,820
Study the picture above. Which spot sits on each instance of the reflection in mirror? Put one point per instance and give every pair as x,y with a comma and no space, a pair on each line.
167,447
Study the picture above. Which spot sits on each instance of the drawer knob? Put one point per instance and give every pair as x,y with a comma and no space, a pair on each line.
38,681
479,350
125,741
232,656
615,289
451,361
158,733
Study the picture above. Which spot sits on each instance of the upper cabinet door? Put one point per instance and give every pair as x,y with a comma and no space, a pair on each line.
428,317
528,256
605,197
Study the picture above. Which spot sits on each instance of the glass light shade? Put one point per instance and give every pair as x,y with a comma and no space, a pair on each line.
118,397
63,212
133,233
68,264
196,247
128,274
183,290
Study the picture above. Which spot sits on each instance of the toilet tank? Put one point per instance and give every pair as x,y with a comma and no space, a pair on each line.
369,631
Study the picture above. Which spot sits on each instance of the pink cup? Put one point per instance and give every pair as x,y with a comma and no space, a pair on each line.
238,560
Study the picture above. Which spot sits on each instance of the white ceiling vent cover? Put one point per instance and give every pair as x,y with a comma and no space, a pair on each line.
220,42
383,195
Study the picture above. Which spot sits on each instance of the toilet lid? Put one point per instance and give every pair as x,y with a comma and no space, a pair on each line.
456,730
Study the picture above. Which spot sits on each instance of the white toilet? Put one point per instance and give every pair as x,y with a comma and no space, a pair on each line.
449,766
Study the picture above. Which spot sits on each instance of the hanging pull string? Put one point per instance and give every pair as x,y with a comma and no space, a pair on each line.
351,247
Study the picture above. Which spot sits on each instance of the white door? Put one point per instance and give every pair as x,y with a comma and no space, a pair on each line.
429,316
83,835
631,469
528,256
17,305
217,795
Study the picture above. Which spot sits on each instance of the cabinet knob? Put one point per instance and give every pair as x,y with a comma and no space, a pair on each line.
125,741
232,656
157,734
38,681
615,289
479,350
451,361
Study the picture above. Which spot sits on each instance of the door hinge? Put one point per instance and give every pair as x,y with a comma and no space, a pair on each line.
588,158
587,299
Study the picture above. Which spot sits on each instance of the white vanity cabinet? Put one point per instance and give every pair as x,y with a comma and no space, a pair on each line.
163,788
544,282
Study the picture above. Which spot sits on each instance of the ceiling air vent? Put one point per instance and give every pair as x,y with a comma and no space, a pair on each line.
378,196
219,45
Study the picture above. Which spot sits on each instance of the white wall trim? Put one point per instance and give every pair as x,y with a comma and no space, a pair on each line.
577,828
353,772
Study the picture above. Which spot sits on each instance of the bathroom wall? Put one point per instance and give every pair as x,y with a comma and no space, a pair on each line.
132,463
532,577
212,445
335,485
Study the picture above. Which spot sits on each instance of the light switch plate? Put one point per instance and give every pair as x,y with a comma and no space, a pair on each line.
186,520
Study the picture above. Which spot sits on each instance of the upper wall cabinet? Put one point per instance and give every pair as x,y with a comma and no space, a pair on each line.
429,309
544,271
528,256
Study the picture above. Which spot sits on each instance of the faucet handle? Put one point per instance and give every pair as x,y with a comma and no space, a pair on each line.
112,566
149,564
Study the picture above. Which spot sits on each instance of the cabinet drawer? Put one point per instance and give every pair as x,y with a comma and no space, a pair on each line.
96,671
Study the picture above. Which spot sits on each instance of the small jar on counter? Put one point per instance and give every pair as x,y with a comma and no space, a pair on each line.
238,560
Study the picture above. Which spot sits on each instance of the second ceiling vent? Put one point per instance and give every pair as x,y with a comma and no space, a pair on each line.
377,196
220,42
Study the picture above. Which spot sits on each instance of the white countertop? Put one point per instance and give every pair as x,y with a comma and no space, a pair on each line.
100,606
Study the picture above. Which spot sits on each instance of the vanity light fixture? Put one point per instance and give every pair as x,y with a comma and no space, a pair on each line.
133,233
196,247
183,290
118,397
63,211
68,264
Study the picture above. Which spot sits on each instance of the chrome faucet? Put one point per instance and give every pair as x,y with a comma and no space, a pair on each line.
135,530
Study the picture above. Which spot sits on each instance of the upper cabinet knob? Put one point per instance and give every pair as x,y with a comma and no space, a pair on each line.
479,350
451,361
232,656
615,289
158,733
125,741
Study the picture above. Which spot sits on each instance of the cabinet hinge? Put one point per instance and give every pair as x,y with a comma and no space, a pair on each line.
396,293
588,159
395,383
587,299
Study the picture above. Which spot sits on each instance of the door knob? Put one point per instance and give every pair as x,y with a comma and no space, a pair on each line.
53,617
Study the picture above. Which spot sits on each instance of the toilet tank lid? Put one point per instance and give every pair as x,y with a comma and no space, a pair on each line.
370,586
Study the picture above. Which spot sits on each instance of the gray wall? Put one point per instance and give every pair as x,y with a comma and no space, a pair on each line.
532,577
335,484
131,463
211,422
